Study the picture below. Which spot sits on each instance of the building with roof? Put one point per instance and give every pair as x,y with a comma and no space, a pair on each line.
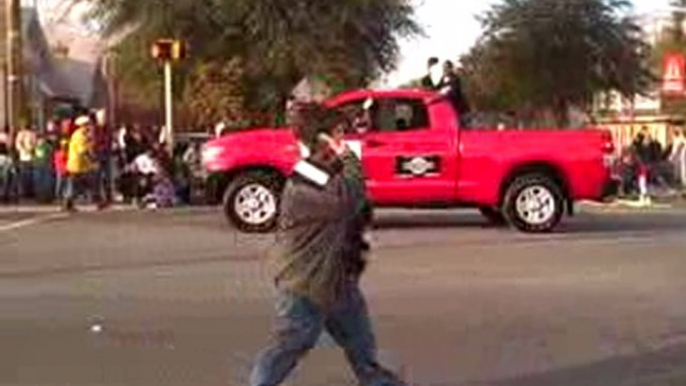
45,85
62,62
627,116
44,81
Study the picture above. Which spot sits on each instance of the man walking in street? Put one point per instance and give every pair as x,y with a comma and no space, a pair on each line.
319,257
82,165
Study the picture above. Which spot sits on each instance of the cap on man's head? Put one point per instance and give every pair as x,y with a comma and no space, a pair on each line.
432,61
309,120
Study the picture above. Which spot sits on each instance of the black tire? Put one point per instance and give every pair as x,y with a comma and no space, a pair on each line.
538,220
494,216
271,183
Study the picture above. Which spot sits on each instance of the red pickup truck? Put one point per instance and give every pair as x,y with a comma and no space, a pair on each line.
415,154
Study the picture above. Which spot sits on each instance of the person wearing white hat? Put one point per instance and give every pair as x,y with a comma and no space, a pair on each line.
81,164
82,121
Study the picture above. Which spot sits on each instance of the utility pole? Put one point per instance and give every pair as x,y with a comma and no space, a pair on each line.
110,70
15,83
169,106
3,65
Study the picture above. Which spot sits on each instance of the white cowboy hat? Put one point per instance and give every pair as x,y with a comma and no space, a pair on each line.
82,121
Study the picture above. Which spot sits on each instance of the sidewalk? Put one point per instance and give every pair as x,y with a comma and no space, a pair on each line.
56,208
657,200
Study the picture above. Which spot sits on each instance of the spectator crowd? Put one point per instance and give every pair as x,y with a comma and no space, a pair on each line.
83,160
646,166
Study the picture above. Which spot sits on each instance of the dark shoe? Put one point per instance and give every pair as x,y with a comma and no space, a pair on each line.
69,207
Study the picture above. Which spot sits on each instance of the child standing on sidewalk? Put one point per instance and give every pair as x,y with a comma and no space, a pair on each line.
60,165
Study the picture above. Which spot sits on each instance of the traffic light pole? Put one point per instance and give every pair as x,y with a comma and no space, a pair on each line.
167,51
169,106
15,84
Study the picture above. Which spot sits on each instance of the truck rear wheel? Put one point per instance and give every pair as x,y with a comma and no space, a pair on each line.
494,216
534,203
251,202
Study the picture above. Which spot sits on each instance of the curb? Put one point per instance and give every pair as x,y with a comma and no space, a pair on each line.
627,204
44,209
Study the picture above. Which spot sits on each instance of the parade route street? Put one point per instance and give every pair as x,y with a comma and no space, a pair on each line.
179,298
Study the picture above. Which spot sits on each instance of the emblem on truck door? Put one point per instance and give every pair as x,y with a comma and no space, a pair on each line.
417,166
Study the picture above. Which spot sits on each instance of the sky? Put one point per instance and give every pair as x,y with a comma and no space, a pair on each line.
452,28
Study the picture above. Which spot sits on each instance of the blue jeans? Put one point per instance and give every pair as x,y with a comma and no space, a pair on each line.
25,179
104,176
298,327
43,182
6,181
81,184
60,186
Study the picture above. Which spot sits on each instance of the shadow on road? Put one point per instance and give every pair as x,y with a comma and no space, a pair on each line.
124,266
665,368
420,219
581,224
627,223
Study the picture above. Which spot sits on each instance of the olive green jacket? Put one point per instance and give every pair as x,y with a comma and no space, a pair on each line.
319,239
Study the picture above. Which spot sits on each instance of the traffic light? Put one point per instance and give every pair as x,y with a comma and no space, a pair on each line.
169,50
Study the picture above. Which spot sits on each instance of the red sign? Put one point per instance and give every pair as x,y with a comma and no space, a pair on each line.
673,76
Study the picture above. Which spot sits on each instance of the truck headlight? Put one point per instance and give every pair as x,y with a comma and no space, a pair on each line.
210,154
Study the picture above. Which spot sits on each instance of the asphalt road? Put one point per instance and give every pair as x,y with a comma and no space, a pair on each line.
178,298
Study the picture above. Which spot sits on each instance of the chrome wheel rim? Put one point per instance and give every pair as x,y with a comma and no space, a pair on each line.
255,204
536,205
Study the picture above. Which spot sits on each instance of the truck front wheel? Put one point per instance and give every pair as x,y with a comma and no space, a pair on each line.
251,202
534,203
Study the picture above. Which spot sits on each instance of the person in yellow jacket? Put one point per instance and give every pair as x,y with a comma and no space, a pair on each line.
81,164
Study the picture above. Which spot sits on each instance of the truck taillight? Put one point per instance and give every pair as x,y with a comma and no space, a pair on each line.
608,149
608,143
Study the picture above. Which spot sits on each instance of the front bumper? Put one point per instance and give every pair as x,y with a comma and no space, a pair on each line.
213,186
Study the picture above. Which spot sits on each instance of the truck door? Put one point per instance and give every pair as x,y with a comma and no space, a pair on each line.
407,158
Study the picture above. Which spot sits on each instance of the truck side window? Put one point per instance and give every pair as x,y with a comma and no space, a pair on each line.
354,111
397,115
